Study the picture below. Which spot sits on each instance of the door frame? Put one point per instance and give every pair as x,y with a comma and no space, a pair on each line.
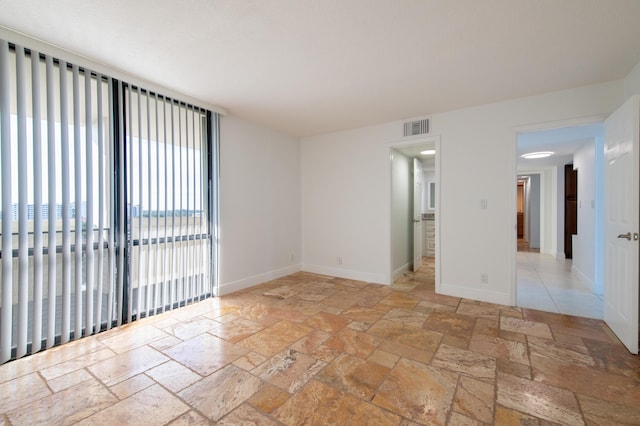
527,128
404,143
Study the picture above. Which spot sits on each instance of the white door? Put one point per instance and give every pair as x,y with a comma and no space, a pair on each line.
621,282
417,214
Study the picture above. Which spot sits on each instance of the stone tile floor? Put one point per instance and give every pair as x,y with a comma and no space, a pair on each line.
310,349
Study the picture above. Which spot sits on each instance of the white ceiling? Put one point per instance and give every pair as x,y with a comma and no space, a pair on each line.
306,67
563,142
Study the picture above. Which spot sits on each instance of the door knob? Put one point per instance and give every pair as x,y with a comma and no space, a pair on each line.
627,236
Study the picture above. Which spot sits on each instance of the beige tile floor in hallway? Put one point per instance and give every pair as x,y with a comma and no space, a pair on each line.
548,284
309,349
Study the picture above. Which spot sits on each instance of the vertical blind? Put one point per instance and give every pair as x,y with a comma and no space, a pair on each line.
108,202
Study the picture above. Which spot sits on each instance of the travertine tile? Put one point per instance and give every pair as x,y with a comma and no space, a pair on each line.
613,358
409,317
205,353
221,392
329,323
408,335
311,341
333,351
234,331
466,362
353,342
363,314
599,412
190,418
173,376
539,400
383,358
76,363
400,300
249,361
275,338
478,311
187,330
289,370
509,417
22,391
246,415
68,380
131,336
121,367
268,398
130,386
450,323
529,328
354,375
417,391
563,352
153,405
500,348
588,381
321,404
474,399
65,407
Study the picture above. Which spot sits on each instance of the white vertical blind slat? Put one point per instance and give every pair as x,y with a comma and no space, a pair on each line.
23,237
7,207
122,219
89,278
66,210
36,344
150,207
140,262
101,204
52,214
77,167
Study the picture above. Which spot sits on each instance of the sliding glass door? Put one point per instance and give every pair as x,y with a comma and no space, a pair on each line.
108,202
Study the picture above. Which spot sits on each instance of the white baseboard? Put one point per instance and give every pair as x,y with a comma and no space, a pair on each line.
475,294
588,282
233,286
401,270
346,273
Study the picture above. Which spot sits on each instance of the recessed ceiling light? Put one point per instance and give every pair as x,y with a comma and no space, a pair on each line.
541,154
428,152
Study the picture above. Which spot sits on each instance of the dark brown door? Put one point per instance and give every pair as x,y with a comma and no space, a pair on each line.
570,208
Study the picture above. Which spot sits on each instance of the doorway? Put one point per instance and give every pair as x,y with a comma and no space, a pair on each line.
409,207
551,280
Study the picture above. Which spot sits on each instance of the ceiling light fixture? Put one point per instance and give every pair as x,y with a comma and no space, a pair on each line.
428,152
541,154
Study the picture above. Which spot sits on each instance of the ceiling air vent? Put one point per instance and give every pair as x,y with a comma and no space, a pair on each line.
416,127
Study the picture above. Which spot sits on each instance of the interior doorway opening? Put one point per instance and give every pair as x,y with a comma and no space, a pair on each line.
414,207
548,278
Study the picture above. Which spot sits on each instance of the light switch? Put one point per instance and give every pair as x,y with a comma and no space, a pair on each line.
484,204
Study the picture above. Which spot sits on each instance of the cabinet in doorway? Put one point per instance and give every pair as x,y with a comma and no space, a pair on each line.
429,235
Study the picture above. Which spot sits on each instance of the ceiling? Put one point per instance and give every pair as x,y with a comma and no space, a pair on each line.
306,67
563,142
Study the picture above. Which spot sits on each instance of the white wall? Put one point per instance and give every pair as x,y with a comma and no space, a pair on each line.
346,209
346,191
260,202
632,82
584,248
401,212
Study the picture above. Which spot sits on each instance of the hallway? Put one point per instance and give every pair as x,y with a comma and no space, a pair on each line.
547,284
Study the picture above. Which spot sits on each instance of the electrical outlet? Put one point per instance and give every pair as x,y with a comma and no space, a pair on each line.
484,278
339,260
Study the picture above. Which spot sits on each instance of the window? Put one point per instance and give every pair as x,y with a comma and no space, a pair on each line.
108,202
